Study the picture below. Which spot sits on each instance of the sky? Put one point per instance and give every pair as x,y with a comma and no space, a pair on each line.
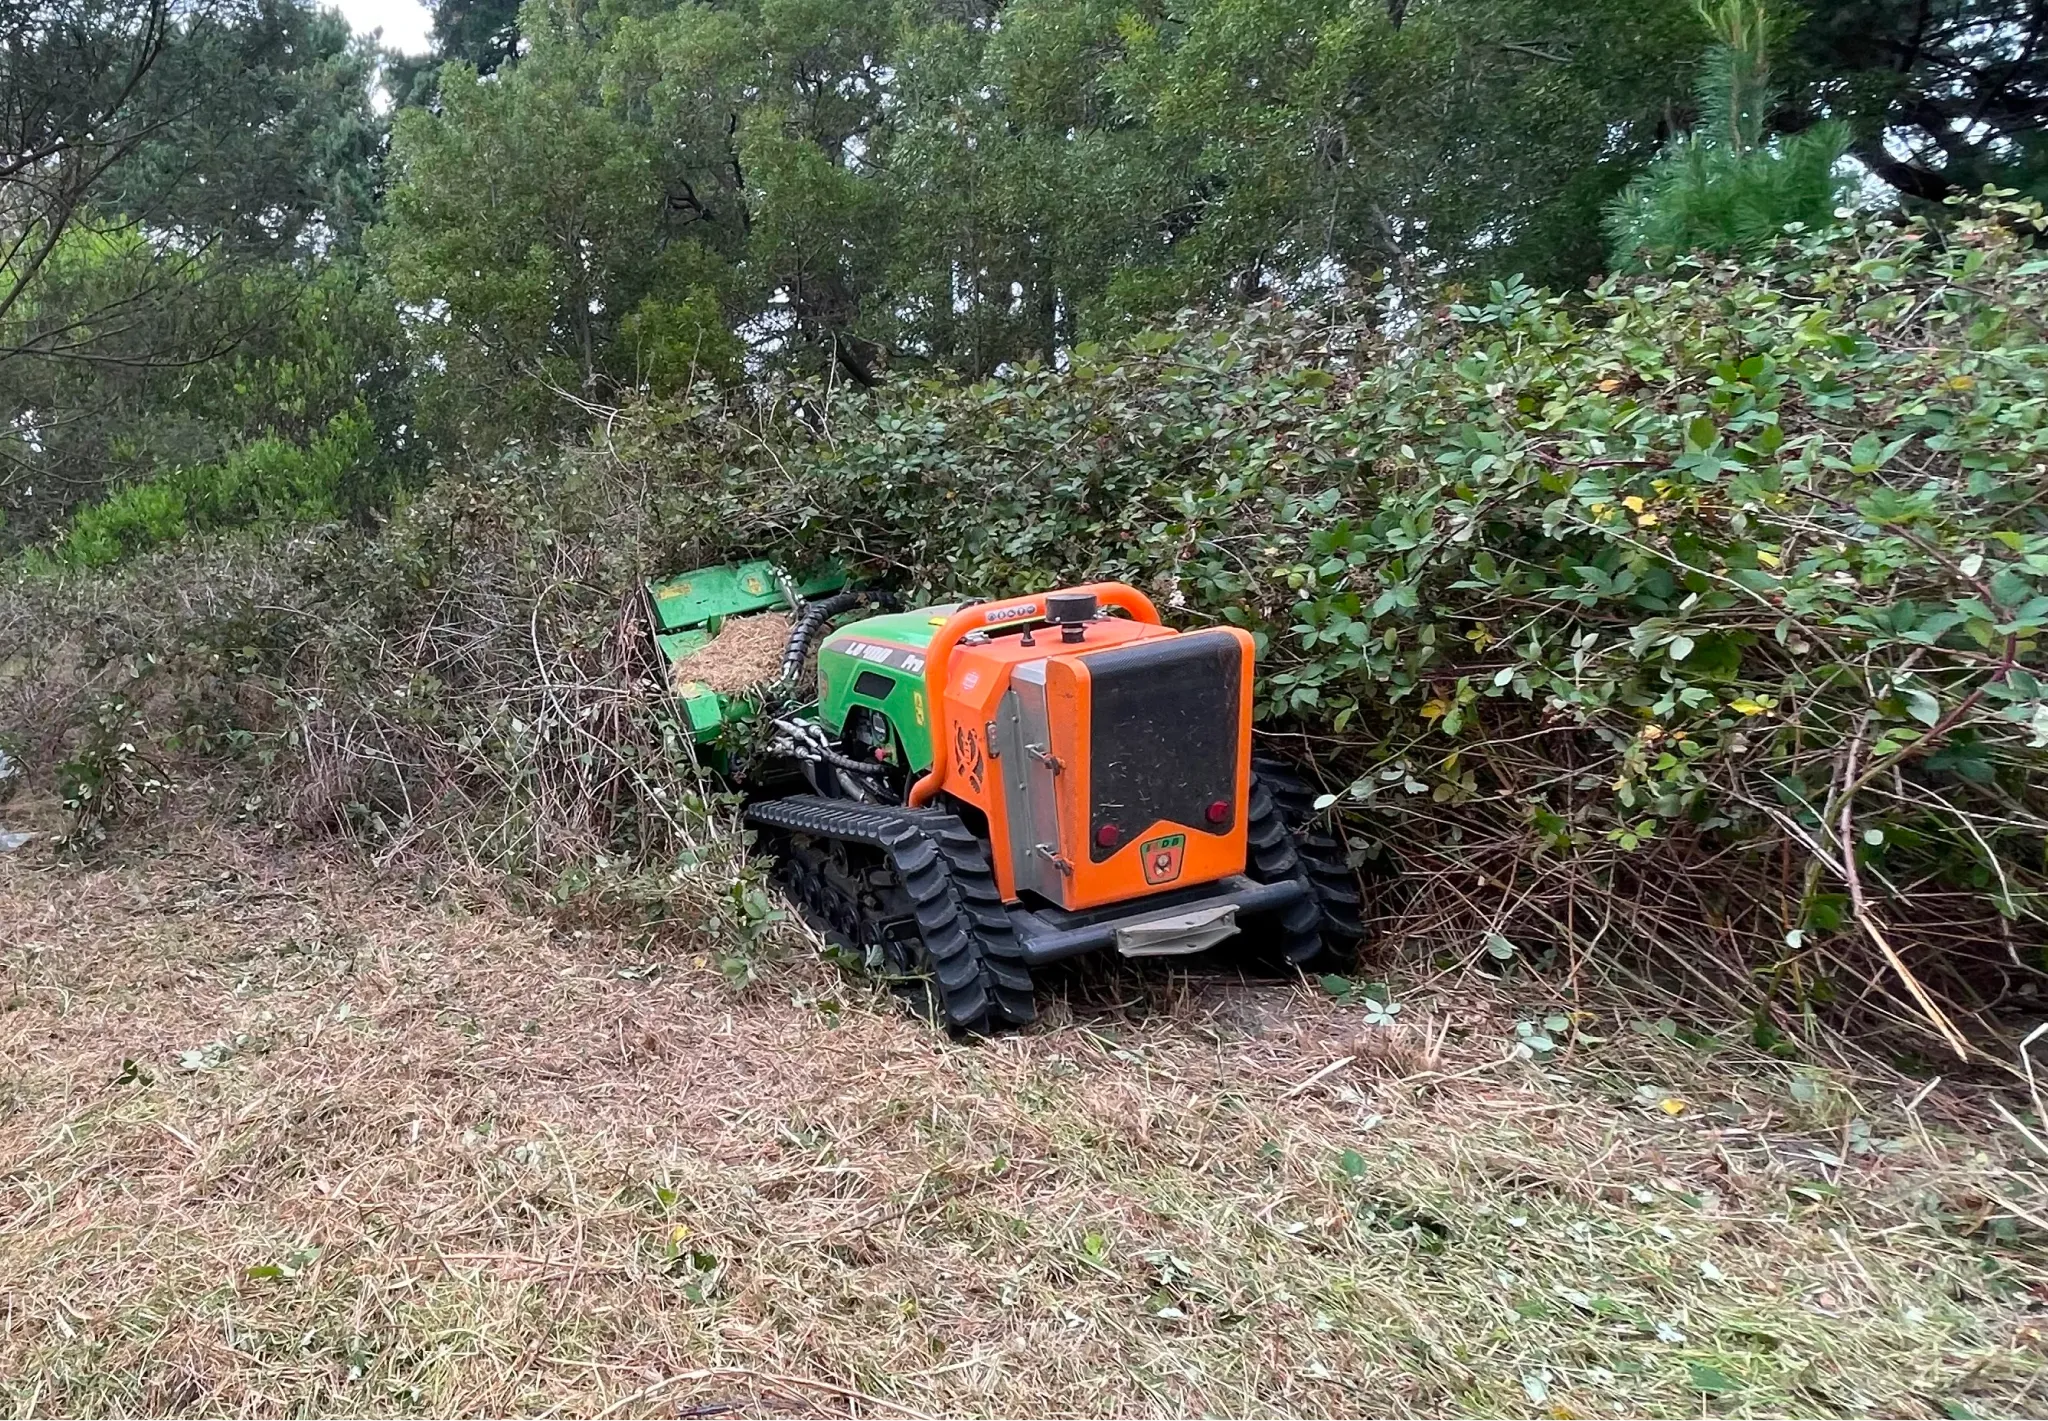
404,22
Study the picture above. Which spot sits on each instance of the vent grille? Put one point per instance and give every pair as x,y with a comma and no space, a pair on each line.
1164,737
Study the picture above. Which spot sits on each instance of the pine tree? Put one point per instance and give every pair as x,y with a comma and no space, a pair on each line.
1725,186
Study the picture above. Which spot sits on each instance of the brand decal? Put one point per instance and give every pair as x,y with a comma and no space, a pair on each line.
1161,857
967,756
896,658
1009,614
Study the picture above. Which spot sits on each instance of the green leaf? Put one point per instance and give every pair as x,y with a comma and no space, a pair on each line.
1711,1380
1920,705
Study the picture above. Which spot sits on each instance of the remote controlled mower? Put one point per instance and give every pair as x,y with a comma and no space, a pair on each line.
966,793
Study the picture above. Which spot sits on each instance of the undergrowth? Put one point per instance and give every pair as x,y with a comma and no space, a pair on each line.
1690,623
267,480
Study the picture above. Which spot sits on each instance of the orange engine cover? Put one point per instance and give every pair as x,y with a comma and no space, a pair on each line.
1110,768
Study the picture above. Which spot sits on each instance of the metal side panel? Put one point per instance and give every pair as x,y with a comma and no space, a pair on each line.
1030,792
702,595
697,598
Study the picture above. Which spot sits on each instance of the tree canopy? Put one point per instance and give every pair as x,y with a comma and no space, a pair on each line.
213,232
1942,96
182,186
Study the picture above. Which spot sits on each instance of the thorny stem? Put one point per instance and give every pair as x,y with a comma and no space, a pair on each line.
1846,838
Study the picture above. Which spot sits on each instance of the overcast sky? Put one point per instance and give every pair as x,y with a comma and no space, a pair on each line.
404,22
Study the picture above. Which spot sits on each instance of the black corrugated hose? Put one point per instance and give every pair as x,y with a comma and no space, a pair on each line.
816,616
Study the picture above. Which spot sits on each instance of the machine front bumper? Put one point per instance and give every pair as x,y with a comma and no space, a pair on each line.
1166,926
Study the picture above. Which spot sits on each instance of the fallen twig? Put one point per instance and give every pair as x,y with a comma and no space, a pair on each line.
767,1379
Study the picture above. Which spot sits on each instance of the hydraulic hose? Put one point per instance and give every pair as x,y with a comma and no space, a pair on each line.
815,617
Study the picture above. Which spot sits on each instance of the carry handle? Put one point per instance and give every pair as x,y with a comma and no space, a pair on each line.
997,616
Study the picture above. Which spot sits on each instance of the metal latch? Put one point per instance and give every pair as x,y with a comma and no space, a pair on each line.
1045,757
1049,852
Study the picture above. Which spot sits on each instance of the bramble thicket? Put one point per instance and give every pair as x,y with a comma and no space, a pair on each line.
1690,623
1701,614
1621,426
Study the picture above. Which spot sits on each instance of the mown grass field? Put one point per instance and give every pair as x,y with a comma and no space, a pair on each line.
280,1134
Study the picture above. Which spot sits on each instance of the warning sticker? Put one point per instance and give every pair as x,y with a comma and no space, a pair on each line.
1161,857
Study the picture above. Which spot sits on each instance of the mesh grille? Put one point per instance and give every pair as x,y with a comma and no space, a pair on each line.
1164,740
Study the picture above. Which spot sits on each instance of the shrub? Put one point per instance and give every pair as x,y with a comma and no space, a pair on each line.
453,685
1702,611
267,480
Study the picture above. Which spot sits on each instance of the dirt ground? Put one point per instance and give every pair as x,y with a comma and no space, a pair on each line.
279,1134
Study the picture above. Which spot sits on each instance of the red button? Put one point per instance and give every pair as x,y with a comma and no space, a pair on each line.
1108,835
1219,811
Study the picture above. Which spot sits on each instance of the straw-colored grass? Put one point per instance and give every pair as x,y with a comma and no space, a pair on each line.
278,1135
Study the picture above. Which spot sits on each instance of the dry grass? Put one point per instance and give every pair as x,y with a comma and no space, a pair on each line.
384,1147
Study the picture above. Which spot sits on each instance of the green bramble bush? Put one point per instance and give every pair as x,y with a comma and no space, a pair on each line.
1700,611
1695,619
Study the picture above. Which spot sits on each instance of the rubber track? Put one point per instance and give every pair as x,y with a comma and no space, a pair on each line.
1283,841
975,957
